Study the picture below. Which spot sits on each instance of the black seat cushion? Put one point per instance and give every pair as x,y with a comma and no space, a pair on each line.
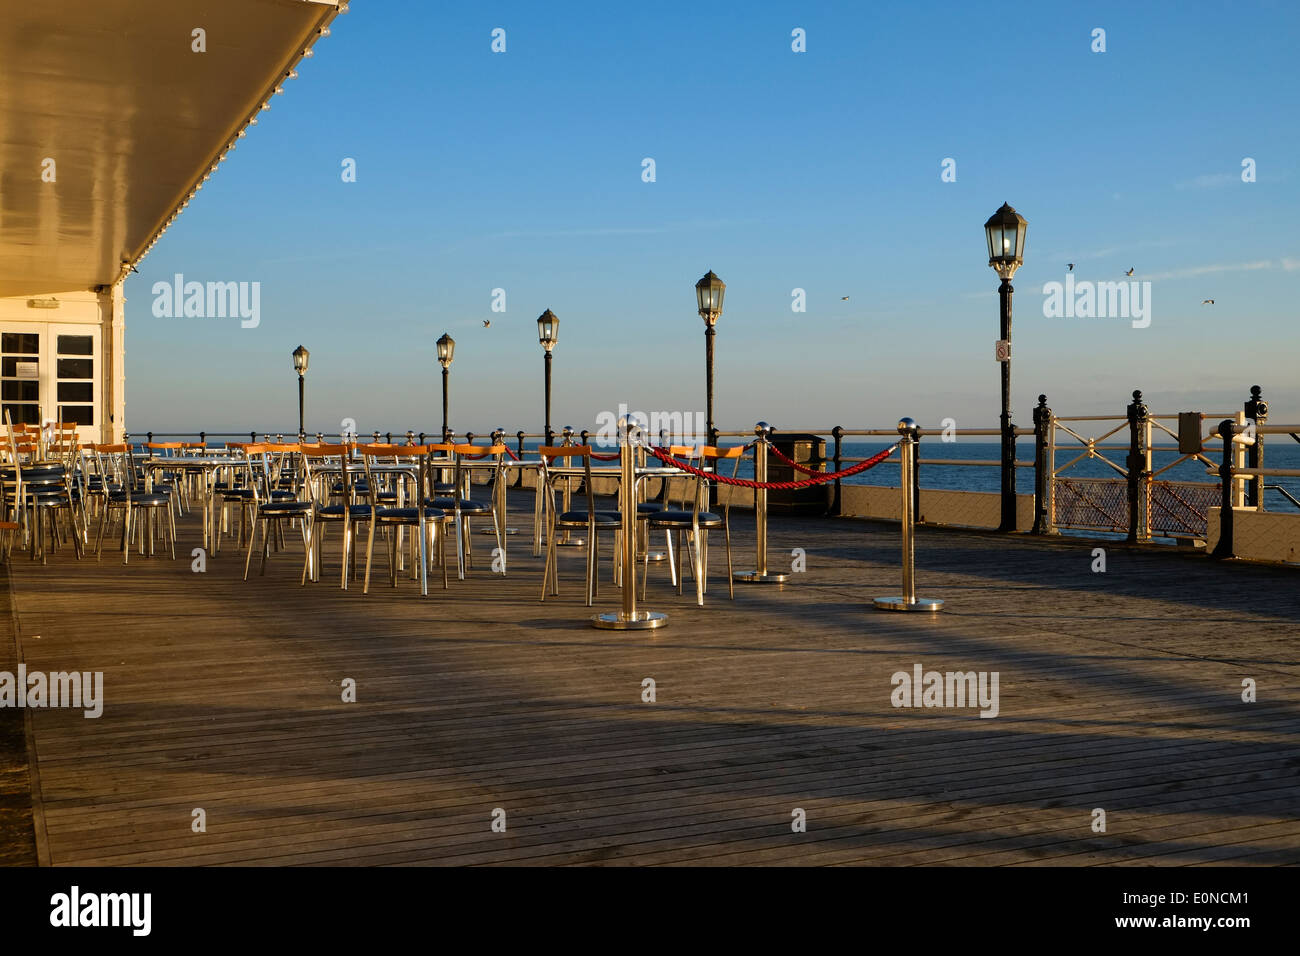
466,505
605,519
336,511
285,508
43,480
143,499
49,499
678,518
409,515
34,471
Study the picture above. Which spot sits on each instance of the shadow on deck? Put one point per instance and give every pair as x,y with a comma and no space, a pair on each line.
1120,691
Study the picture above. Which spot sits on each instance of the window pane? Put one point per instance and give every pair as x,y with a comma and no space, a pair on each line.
9,366
75,368
22,391
79,414
20,343
76,345
24,414
76,391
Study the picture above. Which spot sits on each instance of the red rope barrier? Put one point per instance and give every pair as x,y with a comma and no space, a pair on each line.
511,454
793,464
613,457
821,478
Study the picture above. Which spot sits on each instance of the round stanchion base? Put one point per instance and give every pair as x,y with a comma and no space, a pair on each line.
928,605
759,577
653,556
572,543
493,531
639,621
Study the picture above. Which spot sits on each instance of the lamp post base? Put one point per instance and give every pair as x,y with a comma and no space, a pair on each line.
637,621
930,605
760,577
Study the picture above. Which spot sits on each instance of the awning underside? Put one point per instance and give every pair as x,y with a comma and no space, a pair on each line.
132,117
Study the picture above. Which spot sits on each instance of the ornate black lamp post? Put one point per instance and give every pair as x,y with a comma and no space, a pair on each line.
548,333
1005,231
300,357
1257,412
709,292
446,349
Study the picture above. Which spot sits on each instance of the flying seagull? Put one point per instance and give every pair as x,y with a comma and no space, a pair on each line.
487,323
1069,267
844,298
1207,302
1129,273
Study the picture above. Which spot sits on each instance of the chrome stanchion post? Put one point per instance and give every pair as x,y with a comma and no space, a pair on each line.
760,575
629,618
908,601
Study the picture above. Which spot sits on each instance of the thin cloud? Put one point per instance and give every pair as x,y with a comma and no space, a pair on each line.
1208,181
615,230
1212,269
1111,250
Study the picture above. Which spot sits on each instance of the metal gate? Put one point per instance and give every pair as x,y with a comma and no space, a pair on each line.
1165,508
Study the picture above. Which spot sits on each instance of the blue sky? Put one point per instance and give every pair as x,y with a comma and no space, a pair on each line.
778,170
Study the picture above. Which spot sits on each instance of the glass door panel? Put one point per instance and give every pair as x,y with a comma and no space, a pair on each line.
20,376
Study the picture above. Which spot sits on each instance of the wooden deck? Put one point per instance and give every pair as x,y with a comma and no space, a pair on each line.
1119,691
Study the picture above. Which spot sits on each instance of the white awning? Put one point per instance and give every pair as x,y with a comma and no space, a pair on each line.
132,118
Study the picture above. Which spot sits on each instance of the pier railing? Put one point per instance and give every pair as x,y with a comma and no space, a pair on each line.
1140,498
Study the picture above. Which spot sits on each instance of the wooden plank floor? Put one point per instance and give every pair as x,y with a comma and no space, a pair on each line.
17,836
1119,691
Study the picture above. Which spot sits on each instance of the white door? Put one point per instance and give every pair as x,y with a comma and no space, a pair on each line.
52,373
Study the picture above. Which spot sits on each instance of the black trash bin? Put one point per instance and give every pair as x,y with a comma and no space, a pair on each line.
809,451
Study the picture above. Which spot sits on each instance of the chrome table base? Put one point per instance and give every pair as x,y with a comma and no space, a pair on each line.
902,604
637,621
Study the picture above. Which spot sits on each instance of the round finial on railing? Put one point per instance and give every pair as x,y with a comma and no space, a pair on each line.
497,434
1255,392
1042,400
631,424
907,426
762,428
1137,395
